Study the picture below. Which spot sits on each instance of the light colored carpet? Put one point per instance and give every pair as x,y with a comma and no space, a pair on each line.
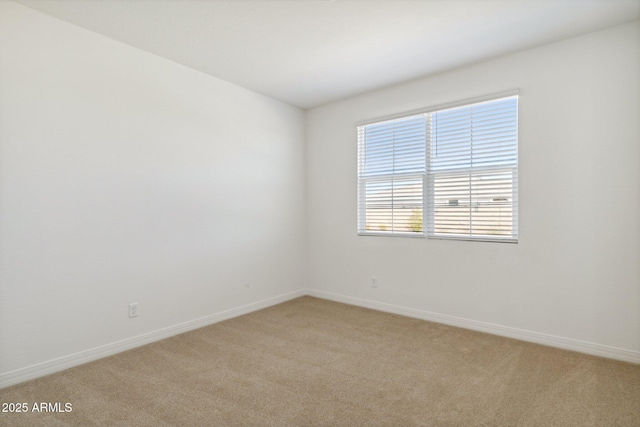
310,362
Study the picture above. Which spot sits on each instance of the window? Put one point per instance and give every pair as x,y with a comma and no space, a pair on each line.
450,173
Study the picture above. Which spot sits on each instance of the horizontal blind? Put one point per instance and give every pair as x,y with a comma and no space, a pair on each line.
472,171
391,171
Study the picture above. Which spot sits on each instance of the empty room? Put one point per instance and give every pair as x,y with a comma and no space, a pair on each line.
319,213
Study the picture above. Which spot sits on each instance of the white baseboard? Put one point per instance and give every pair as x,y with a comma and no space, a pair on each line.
62,363
505,331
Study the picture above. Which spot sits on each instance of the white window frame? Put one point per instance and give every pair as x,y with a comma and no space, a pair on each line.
428,178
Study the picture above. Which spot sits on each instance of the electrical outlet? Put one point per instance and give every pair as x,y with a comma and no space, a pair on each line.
374,282
133,309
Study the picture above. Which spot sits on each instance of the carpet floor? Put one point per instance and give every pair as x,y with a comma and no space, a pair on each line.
311,362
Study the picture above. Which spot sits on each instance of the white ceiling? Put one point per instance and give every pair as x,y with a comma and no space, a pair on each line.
310,52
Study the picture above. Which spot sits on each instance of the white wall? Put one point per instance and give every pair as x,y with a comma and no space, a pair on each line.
575,273
125,178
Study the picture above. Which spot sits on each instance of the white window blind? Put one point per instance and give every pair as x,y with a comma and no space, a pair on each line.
446,174
391,174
